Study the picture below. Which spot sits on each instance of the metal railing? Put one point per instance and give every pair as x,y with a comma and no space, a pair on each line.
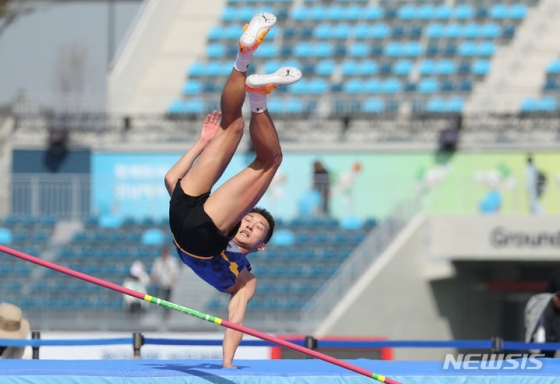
318,308
66,196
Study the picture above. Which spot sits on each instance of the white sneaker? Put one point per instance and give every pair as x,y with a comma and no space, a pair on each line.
255,31
265,84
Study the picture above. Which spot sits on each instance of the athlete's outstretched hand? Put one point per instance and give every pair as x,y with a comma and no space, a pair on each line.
210,126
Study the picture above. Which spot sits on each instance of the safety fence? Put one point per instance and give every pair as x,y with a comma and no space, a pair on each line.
495,345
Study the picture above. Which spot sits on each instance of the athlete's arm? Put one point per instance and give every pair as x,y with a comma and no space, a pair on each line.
184,164
244,290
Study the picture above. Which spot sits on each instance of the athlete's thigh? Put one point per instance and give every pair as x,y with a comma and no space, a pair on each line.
237,196
212,162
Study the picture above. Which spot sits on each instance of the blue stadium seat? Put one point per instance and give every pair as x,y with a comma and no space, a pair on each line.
293,105
547,104
403,67
467,48
394,49
551,85
303,49
480,67
517,11
216,33
323,31
435,31
379,31
446,67
229,14
453,31
367,67
318,86
371,13
391,85
471,31
427,67
407,12
435,105
553,67
359,49
268,50
341,31
413,49
197,69
352,86
194,106
325,67
425,12
215,50
529,105
323,49
486,48
360,31
455,104
6,236
428,85
318,12
335,13
300,87
371,86
499,11
373,106
232,32
299,13
443,12
349,67
508,32
464,12
192,87
490,31
353,12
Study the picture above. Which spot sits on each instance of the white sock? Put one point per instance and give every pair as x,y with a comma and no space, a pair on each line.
242,61
258,102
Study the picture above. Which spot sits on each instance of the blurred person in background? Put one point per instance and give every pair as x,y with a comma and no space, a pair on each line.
542,314
165,271
322,184
137,280
535,186
13,326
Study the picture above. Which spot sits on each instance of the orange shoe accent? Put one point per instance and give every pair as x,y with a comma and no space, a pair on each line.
264,90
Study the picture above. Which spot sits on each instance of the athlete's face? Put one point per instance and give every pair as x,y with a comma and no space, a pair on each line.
252,232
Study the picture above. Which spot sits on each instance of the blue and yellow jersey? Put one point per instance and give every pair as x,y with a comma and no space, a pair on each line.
219,271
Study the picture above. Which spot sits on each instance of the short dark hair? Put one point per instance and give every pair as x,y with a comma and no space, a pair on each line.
271,223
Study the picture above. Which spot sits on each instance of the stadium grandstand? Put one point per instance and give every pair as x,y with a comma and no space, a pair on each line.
423,111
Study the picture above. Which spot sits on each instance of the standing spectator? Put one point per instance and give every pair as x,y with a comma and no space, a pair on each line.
137,280
535,186
322,184
165,271
542,314
551,316
13,326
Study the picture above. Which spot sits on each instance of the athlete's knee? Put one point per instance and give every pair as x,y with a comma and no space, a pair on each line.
235,125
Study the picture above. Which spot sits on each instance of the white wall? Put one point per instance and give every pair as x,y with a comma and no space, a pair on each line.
152,66
393,299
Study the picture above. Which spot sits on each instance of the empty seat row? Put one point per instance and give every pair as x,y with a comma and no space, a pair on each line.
469,31
544,104
30,221
406,12
326,49
394,85
348,67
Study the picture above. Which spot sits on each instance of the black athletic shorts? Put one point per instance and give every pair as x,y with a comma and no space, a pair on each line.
193,230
